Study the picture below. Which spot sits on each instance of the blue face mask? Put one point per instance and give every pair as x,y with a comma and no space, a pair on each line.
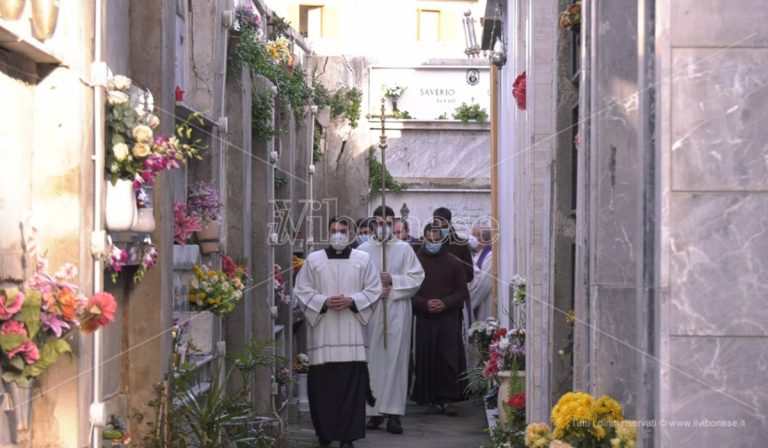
444,232
432,248
362,239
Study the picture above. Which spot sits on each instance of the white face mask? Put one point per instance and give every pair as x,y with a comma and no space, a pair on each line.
339,241
444,232
361,239
432,248
384,233
473,243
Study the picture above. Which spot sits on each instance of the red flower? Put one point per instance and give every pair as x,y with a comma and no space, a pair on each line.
518,90
501,332
517,401
99,311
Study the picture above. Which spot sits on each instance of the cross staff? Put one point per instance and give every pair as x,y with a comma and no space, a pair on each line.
383,147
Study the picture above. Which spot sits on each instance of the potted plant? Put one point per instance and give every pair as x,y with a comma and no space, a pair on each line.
203,201
245,18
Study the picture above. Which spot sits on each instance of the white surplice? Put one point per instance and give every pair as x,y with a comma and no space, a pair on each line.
388,367
337,336
481,286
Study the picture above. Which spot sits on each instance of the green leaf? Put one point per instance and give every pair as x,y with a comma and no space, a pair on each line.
49,354
17,378
30,313
17,362
9,342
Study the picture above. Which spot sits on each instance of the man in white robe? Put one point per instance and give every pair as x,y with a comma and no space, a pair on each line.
388,367
336,289
481,286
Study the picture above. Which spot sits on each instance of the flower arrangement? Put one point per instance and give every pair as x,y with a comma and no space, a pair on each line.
203,201
185,223
280,293
518,90
216,291
246,17
302,363
137,154
570,18
581,420
506,352
394,91
512,432
279,49
483,332
520,292
35,323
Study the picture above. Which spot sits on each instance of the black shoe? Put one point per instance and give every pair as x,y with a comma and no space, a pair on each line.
450,410
347,445
393,425
375,422
324,442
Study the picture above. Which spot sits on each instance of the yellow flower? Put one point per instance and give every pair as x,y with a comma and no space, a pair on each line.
538,435
140,150
120,151
142,134
608,409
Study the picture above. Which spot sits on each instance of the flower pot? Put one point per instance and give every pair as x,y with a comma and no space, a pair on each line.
301,379
11,9
45,14
120,211
510,383
234,39
200,326
208,238
20,407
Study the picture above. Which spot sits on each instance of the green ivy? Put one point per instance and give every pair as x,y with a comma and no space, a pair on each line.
401,115
470,112
279,27
375,173
346,102
280,182
262,114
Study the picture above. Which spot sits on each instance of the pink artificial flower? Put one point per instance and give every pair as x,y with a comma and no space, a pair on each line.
66,272
54,323
28,349
184,225
8,306
13,327
99,311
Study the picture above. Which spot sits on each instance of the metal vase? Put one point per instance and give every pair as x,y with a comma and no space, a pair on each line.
21,402
45,14
11,9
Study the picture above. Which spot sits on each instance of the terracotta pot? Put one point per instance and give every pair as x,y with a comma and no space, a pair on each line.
45,15
208,238
120,211
11,9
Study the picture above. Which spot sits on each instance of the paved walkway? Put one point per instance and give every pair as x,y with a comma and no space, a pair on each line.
465,430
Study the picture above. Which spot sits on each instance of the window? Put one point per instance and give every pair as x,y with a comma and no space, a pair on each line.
429,26
311,21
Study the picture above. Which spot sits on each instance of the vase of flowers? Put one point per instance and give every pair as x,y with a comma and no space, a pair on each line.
216,291
393,93
301,369
203,201
36,323
120,213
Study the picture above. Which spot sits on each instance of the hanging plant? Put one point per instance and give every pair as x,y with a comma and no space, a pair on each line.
518,90
570,18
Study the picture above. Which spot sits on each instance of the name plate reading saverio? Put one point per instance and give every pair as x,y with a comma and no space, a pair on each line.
428,93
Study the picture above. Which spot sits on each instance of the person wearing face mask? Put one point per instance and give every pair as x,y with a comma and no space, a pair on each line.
363,232
336,289
388,366
439,344
481,285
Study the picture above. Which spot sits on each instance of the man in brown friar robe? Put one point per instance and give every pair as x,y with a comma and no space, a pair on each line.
459,247
437,307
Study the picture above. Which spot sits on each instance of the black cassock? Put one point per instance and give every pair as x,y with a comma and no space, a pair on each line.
337,394
440,359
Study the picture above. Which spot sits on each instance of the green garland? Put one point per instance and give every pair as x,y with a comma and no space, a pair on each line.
471,112
375,173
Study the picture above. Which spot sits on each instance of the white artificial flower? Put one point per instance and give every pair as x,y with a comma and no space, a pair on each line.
194,283
120,151
204,285
120,82
503,344
116,97
237,295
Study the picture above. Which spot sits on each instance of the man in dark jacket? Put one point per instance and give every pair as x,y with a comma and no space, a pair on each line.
437,307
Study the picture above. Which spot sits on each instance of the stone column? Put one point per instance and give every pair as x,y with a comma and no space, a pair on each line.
713,177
